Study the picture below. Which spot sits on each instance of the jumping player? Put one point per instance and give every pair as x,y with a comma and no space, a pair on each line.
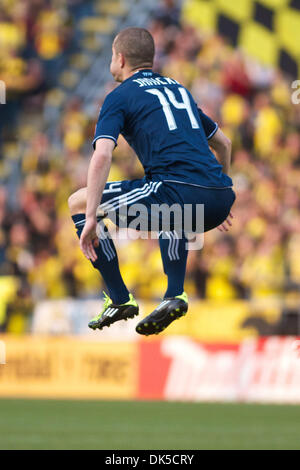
172,138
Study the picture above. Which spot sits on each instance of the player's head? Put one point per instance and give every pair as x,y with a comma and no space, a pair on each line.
133,49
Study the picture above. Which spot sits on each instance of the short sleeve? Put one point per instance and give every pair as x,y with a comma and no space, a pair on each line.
210,127
111,118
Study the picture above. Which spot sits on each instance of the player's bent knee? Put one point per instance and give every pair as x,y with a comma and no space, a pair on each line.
77,201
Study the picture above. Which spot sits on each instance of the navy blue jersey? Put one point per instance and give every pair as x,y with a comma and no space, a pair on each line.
161,122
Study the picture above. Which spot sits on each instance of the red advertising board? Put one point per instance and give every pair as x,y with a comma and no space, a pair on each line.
179,368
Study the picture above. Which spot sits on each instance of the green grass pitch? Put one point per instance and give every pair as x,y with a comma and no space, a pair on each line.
59,424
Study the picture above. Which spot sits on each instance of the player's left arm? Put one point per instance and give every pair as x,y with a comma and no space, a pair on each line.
210,127
217,140
222,147
97,176
221,144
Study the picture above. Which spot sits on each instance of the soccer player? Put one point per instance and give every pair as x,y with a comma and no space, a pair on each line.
172,138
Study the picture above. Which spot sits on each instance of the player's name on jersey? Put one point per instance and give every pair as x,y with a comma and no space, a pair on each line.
155,81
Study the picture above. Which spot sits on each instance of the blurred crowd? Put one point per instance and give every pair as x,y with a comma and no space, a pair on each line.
35,38
258,257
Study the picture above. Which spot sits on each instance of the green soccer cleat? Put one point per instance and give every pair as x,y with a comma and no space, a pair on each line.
112,313
169,309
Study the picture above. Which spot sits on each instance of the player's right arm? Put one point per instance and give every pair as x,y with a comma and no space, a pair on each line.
108,128
97,176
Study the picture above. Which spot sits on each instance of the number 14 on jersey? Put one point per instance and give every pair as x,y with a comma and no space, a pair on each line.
169,98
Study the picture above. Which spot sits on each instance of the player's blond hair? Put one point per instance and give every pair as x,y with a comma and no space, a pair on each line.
137,46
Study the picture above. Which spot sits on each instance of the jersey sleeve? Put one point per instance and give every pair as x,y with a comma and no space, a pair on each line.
111,118
210,127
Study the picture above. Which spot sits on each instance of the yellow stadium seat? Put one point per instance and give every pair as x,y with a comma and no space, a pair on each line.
253,36
239,11
287,24
112,8
69,79
91,43
100,25
80,61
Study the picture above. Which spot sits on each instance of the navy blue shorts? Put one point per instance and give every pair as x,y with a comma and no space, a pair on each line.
125,201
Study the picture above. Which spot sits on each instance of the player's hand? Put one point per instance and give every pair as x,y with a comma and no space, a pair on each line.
224,227
89,239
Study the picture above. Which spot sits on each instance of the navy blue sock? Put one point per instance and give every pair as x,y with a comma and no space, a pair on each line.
107,262
174,256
